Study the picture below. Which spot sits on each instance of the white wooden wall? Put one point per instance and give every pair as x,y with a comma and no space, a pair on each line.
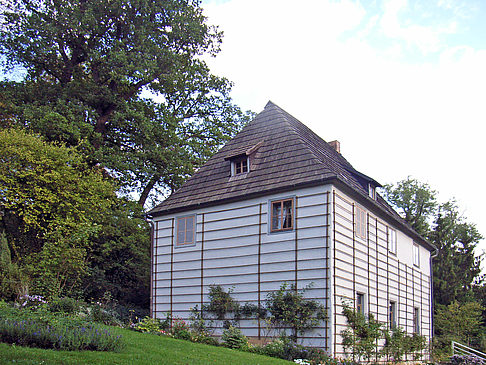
367,266
235,249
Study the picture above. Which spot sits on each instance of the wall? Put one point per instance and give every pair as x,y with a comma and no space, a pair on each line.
368,267
234,249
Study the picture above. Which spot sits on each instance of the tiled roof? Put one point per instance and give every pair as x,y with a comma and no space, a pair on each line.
288,154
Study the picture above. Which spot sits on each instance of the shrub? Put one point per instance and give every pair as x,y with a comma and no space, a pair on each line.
288,308
148,325
34,334
234,339
362,334
466,360
64,305
221,305
180,330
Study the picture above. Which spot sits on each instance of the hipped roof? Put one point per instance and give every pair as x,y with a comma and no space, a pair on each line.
286,155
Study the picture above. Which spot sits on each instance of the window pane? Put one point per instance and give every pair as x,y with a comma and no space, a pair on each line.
287,223
189,229
276,215
238,168
244,166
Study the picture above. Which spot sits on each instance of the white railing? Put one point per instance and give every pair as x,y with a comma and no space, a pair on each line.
460,349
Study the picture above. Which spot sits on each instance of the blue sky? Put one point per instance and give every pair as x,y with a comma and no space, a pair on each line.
401,83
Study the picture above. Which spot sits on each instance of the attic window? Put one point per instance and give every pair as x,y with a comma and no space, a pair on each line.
239,166
372,191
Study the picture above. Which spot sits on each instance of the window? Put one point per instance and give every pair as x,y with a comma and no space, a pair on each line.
360,303
360,222
416,320
185,230
282,215
416,255
392,240
240,166
392,315
372,191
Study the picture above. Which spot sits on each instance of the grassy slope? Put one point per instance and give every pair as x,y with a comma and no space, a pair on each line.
140,349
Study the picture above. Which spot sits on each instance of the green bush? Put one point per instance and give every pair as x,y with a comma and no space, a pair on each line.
234,339
148,325
180,329
34,334
64,305
287,308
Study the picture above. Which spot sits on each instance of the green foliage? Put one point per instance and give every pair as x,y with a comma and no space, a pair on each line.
456,269
361,336
12,281
416,202
221,305
50,202
234,339
148,325
457,322
398,344
288,308
33,334
86,71
180,329
64,305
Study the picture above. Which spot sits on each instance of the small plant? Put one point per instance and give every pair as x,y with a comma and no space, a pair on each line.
466,360
33,334
64,305
287,308
180,329
148,325
222,306
362,335
234,339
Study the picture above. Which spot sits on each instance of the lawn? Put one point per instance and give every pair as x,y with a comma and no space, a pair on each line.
141,349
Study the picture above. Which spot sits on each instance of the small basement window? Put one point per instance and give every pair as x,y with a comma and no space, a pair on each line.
185,230
282,214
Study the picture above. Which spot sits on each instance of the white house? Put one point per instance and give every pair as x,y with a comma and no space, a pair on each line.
278,204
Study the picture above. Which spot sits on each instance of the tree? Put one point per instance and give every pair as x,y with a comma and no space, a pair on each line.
90,66
456,269
415,201
50,201
458,322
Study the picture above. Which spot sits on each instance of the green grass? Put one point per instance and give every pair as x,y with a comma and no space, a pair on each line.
141,349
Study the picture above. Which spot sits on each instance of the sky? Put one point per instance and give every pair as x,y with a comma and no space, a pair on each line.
401,84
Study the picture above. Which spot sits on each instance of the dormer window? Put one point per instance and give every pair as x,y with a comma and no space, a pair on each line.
240,166
241,160
372,191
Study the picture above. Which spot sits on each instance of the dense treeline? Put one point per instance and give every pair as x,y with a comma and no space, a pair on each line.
114,109
458,284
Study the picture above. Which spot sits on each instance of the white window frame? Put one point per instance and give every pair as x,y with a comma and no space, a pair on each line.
360,222
185,241
372,191
416,254
237,160
392,240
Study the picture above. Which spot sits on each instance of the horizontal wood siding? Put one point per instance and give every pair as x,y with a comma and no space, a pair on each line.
240,254
366,266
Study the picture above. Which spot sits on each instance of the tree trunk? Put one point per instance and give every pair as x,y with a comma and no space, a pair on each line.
147,189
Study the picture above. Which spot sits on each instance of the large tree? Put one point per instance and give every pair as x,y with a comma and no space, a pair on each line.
456,268
93,70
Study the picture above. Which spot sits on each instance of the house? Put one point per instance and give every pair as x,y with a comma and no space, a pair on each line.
278,204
